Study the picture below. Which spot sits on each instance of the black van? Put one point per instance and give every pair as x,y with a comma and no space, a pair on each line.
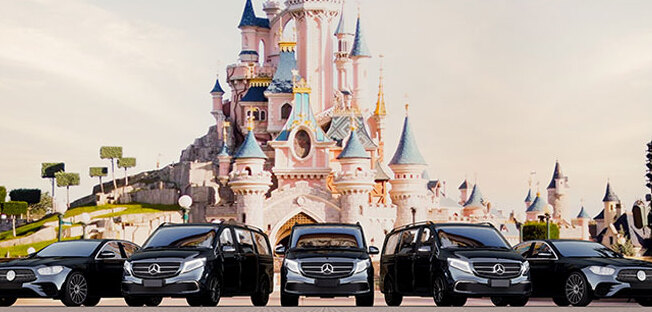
451,262
201,262
327,260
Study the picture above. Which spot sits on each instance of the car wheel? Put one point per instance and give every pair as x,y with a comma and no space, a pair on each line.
499,301
75,290
458,301
288,300
392,298
214,293
365,300
134,301
560,301
576,290
194,301
442,295
153,301
7,301
646,302
261,297
519,301
91,301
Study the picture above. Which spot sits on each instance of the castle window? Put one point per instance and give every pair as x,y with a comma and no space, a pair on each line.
361,210
286,110
248,170
302,144
263,115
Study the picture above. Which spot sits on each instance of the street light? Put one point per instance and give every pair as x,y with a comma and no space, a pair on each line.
185,202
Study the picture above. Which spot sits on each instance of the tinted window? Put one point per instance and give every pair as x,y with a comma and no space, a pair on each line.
69,249
327,237
129,248
390,245
182,237
245,242
408,241
541,250
584,249
427,237
470,237
261,244
114,248
226,239
522,248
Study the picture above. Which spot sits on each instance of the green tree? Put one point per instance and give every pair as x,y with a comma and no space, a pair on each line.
111,153
13,209
67,179
39,209
126,163
31,196
3,194
98,172
538,230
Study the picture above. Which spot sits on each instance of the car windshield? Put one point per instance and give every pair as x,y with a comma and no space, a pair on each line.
579,249
182,237
79,248
470,237
327,237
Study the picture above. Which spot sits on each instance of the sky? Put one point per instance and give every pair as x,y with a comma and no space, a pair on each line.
497,89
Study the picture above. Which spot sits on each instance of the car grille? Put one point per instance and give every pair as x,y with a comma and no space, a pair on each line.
166,269
22,276
629,276
314,269
486,269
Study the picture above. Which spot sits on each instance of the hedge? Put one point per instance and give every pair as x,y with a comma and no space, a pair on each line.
98,171
537,230
14,208
3,194
67,179
49,169
110,152
126,162
31,196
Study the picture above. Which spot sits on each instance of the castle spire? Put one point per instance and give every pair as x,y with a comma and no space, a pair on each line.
249,17
555,175
342,26
217,88
609,195
360,48
407,151
380,103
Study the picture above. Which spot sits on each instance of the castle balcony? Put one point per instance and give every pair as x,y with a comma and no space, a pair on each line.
244,71
245,182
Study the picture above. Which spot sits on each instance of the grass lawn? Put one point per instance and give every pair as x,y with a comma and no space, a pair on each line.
21,250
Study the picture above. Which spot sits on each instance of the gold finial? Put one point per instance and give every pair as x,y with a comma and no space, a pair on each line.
353,123
358,9
407,109
225,125
250,119
380,104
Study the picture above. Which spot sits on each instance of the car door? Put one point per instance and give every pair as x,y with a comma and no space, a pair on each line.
388,260
404,260
230,260
265,259
542,261
422,261
108,270
248,260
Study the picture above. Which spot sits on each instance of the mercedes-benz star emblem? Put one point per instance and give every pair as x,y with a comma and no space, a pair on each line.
499,269
640,275
11,275
327,268
154,269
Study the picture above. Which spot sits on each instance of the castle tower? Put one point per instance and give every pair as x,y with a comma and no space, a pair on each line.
249,181
279,93
557,192
224,159
315,27
360,55
475,205
342,61
612,207
218,93
377,120
464,191
252,29
408,191
582,221
529,198
355,179
272,8
536,209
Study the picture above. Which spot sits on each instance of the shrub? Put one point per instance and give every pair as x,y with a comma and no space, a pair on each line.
3,194
537,230
98,171
14,208
31,196
49,169
111,152
126,162
67,179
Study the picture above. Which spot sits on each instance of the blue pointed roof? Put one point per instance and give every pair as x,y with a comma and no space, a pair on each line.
609,195
250,148
464,185
249,17
302,116
359,43
255,94
529,198
224,151
407,152
539,204
555,175
476,197
342,25
353,148
282,81
583,214
600,215
217,87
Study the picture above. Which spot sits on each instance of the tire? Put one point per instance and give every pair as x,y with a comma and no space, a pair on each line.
288,300
135,301
213,293
500,301
442,295
458,301
560,301
392,298
74,290
261,297
7,301
646,302
365,300
91,301
577,290
153,301
519,301
194,301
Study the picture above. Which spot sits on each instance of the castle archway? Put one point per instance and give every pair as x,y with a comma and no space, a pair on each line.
283,233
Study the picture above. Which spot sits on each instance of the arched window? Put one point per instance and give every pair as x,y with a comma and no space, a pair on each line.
261,53
286,110
248,170
263,115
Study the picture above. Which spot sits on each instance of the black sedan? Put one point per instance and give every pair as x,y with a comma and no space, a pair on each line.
574,272
76,272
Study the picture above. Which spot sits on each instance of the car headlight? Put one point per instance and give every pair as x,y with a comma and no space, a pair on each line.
127,268
460,265
50,270
525,267
193,265
361,266
292,265
600,270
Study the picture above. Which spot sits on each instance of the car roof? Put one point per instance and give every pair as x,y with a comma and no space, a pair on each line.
214,225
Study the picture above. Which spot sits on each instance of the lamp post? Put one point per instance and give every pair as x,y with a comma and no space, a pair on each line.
185,202
547,216
60,230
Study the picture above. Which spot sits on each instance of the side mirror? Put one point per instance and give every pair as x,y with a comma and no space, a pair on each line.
107,254
228,249
280,250
373,250
424,249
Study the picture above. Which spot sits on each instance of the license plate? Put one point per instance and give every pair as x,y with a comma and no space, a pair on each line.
153,283
499,283
327,283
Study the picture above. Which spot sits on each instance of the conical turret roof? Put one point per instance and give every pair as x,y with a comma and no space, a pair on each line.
475,199
583,214
609,195
555,175
353,148
249,17
539,204
529,198
360,48
217,88
250,148
407,152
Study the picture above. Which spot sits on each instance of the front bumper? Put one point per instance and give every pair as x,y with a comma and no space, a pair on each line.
181,285
354,284
609,286
44,286
471,285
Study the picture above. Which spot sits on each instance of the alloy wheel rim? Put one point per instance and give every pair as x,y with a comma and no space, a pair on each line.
575,288
215,294
77,288
438,293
